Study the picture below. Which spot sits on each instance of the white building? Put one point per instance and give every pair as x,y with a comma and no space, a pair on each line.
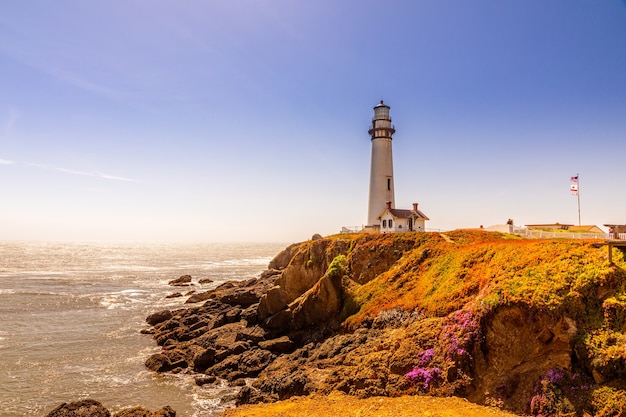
401,220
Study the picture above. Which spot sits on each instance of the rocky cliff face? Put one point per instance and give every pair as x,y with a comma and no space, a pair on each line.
530,326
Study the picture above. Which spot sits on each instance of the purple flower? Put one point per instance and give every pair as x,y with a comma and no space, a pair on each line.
555,376
425,356
425,376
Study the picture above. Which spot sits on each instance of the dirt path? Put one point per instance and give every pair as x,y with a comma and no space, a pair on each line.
341,405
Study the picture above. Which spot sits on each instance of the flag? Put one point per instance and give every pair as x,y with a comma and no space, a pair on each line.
574,189
574,179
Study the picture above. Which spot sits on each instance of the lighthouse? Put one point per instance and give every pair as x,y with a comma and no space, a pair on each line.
381,193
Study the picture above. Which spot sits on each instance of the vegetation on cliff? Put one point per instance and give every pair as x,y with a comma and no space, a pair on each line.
490,270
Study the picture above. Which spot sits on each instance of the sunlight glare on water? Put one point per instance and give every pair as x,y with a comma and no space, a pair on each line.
70,317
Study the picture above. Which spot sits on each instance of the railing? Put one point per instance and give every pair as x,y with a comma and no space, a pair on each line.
621,236
351,229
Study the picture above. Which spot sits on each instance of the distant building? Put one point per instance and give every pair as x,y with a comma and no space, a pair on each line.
566,228
400,220
616,228
586,229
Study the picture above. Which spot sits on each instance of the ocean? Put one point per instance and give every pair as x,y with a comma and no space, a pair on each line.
71,316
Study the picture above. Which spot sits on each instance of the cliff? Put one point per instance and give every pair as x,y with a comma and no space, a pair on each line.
530,326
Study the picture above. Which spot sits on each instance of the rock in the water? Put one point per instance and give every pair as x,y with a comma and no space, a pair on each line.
199,297
205,281
167,361
203,380
181,281
83,408
174,295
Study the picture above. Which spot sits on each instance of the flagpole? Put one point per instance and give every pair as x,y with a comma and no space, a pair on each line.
578,194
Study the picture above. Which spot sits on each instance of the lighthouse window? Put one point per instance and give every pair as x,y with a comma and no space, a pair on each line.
388,183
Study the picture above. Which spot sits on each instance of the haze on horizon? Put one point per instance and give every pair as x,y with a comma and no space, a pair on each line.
247,120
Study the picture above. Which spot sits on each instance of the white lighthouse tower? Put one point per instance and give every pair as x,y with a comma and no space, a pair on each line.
381,193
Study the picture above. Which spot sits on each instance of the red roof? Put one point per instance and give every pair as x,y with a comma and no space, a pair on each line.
405,214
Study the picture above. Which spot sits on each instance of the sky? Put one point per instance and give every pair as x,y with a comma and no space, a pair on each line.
247,120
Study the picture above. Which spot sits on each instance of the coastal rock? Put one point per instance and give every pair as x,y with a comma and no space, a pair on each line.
167,361
166,411
244,297
174,295
159,317
204,380
203,359
83,408
283,259
521,346
182,281
237,293
307,266
279,345
321,304
250,314
249,395
370,259
205,281
245,365
199,297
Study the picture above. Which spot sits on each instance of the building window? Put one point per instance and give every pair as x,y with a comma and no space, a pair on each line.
384,224
390,223
399,226
388,184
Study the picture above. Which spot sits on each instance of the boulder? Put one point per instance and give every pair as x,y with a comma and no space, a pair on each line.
174,295
167,361
159,317
205,281
244,297
205,379
319,305
83,408
279,345
182,281
307,265
250,314
253,334
284,258
245,365
203,359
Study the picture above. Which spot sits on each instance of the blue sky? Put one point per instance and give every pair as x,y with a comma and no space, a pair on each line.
247,120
